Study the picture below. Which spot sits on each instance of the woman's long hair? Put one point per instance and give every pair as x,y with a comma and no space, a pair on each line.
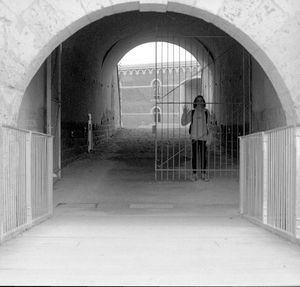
194,103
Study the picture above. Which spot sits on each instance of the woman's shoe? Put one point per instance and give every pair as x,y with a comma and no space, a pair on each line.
194,177
204,176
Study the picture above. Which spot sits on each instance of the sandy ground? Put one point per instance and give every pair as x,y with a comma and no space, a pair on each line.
114,225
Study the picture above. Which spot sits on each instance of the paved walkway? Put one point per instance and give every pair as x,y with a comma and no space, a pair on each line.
113,225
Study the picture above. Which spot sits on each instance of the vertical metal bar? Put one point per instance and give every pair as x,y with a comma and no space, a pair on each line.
48,94
185,105
271,190
2,185
249,176
287,183
265,178
5,147
162,123
163,112
233,106
227,105
179,111
207,123
296,182
44,190
280,155
289,180
294,187
249,93
293,168
215,127
59,110
49,174
243,77
242,175
277,180
284,183
237,133
273,183
269,204
220,132
35,176
173,124
281,187
191,98
156,94
284,179
119,90
28,179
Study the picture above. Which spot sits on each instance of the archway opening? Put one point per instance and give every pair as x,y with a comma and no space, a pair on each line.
222,72
205,60
146,74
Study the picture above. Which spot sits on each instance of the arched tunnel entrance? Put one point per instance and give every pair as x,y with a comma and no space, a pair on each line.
136,182
169,84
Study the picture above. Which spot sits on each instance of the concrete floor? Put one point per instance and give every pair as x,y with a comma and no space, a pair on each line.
113,225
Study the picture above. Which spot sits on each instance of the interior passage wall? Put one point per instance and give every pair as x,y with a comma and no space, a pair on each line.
267,112
231,104
107,115
81,94
33,107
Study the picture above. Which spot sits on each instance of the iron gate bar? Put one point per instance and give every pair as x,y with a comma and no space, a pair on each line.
185,89
173,175
156,94
172,145
179,148
206,66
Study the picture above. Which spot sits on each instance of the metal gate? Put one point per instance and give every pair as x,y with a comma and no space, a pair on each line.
179,78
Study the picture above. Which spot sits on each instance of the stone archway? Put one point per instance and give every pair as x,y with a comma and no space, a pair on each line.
32,29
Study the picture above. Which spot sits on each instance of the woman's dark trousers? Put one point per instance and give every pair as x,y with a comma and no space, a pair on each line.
199,152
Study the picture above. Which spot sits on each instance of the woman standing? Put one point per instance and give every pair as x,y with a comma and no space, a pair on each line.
199,118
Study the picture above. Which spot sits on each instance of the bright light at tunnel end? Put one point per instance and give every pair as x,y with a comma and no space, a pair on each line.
145,54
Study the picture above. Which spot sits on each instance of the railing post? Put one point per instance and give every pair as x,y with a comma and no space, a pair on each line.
1,187
265,178
242,174
28,179
50,173
90,133
297,183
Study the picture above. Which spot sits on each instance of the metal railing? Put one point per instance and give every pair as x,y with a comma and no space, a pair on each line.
25,179
269,163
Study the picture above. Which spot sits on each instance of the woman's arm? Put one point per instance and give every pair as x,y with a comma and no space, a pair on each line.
186,116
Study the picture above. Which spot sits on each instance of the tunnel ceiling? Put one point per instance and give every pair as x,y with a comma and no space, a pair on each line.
97,39
87,74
